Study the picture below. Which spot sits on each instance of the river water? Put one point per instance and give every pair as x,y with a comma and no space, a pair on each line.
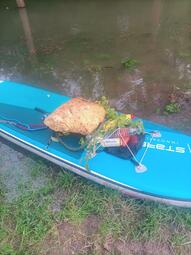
76,48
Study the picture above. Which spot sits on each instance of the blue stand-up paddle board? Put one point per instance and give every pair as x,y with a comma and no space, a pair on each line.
166,157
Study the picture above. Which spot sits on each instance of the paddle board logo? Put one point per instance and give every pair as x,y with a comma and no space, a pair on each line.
167,145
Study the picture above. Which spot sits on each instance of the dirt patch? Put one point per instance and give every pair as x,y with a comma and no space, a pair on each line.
131,247
69,239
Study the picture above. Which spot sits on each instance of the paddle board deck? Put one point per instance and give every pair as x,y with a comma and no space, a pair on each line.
167,158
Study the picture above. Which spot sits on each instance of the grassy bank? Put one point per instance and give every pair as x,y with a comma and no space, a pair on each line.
69,215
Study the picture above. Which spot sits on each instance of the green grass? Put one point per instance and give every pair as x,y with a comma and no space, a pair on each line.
26,222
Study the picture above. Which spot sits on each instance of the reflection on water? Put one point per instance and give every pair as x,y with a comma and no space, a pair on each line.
76,48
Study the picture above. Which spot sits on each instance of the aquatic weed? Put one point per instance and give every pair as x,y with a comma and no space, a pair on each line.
129,63
172,108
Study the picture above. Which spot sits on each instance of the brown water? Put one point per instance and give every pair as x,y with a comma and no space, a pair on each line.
76,48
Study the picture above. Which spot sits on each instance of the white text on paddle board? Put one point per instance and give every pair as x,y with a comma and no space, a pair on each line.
169,148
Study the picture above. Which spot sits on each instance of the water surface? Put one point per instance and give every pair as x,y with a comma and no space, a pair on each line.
76,48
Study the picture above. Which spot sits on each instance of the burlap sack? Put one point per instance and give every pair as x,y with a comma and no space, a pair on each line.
76,116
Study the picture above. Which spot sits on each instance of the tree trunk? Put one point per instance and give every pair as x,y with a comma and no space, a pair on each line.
27,30
20,3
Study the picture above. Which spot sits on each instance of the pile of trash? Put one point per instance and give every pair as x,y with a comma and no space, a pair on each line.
100,127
